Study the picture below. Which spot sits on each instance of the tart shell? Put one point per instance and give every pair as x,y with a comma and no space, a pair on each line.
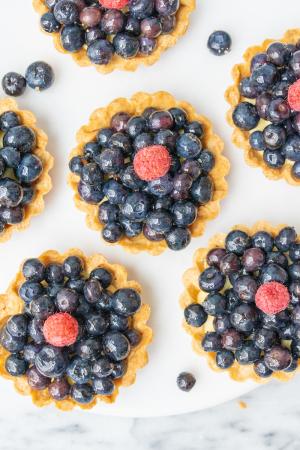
193,293
11,303
135,106
43,185
164,42
240,137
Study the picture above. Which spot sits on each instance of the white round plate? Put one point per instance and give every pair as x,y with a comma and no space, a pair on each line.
190,73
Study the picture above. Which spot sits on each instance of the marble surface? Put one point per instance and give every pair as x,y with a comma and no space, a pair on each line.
270,421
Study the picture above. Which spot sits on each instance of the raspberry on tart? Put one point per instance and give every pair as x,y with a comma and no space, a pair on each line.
265,105
24,168
114,34
74,330
149,172
242,302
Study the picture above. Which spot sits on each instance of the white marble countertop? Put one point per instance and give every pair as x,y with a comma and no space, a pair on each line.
270,421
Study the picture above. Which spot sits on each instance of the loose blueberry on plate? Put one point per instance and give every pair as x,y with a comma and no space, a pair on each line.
150,175
186,381
219,43
245,313
73,345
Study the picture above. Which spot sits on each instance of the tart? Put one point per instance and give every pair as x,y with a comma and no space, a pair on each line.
114,34
148,172
265,106
242,302
73,330
24,168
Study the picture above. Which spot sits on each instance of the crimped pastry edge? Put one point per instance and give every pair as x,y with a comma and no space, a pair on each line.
43,185
11,303
240,137
193,293
164,42
136,105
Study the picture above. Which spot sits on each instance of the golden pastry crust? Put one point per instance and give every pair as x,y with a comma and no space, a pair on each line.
11,303
164,42
232,95
43,185
136,105
193,293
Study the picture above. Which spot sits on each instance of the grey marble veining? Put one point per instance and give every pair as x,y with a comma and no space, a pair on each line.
270,421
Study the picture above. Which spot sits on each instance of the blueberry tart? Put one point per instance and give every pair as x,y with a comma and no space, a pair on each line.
24,168
265,107
114,34
148,172
242,302
73,330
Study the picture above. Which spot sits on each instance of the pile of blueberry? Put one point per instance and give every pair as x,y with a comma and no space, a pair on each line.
149,174
74,335
273,90
253,287
20,168
124,27
38,76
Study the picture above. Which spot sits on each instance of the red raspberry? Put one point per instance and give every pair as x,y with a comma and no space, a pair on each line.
61,329
152,162
294,96
272,297
114,4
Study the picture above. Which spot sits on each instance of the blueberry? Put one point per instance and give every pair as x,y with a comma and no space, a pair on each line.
219,43
21,137
35,330
245,286
33,269
17,325
274,136
281,89
215,256
30,351
202,190
103,386
277,358
82,393
111,160
133,26
230,263
11,216
100,52
224,359
168,24
211,342
151,28
29,169
42,307
275,321
15,365
9,119
103,276
39,76
144,140
159,221
256,141
194,127
277,53
79,370
135,126
294,271
188,146
160,120
294,251
221,323
72,267
258,60
76,165
247,89
163,203
51,362
119,121
295,63
67,300
184,213
214,304
49,23
152,235
92,290
263,240
244,317
186,381
253,259
88,350
126,45
134,337
102,367
93,34
54,273
11,192
116,345
140,9
96,324
66,12
136,206
261,369
178,238
36,380
121,141
147,45
119,369
264,76
92,194
11,343
262,104
112,232
291,148
273,272
13,84
278,110
126,301
118,323
245,116
161,186
59,389
264,338
28,195
83,307
113,21
179,116
231,339
30,290
237,241
108,212
293,366
72,38
192,168
91,174
211,279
